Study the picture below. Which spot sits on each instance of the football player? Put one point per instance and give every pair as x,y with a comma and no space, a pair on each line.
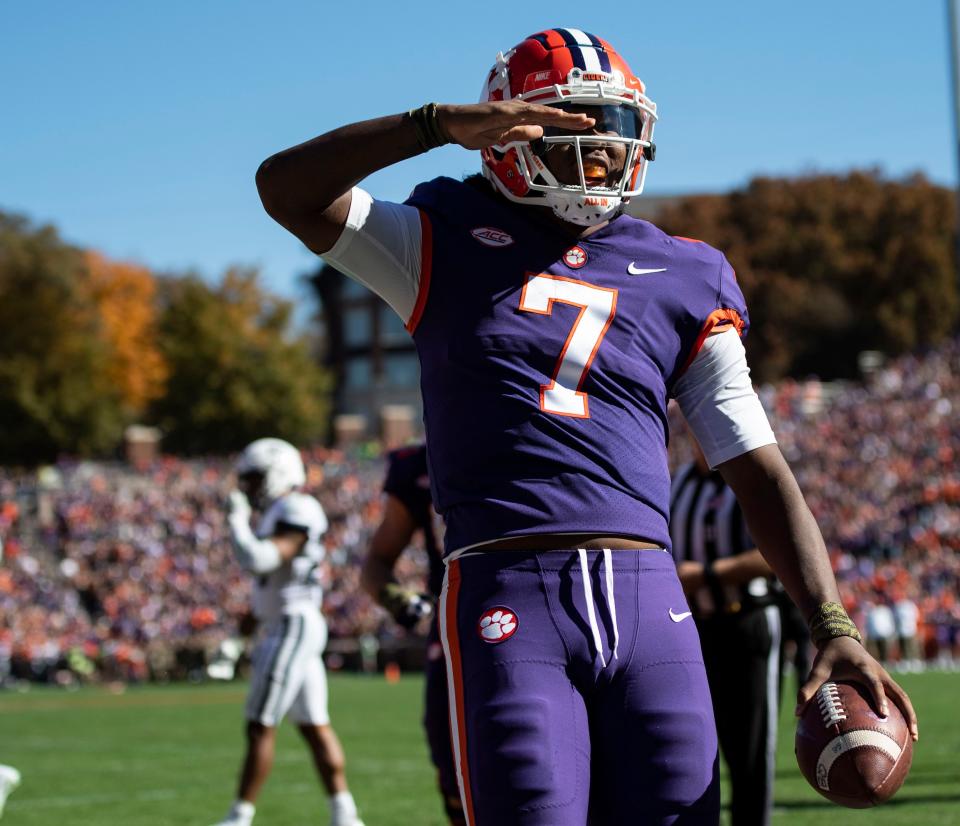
283,553
552,328
408,509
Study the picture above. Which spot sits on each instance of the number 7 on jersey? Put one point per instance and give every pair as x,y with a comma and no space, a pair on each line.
597,307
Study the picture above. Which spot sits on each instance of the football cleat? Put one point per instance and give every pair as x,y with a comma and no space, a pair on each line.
241,814
9,780
578,72
224,664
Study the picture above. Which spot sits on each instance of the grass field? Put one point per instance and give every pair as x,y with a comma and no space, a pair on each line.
168,756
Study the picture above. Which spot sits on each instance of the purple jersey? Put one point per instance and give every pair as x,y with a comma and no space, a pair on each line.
407,480
547,363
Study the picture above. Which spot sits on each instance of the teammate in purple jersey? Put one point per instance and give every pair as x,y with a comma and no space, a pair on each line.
408,508
552,329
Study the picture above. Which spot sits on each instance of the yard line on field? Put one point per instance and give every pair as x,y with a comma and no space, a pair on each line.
64,801
146,795
81,744
221,697
374,766
362,765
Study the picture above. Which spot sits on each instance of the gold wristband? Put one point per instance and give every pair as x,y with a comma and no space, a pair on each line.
829,621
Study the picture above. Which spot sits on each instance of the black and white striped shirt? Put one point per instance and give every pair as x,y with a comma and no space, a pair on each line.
706,524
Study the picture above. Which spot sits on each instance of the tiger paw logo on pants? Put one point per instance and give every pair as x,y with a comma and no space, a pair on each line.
497,624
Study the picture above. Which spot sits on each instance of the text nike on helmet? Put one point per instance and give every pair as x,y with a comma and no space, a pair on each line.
570,68
278,462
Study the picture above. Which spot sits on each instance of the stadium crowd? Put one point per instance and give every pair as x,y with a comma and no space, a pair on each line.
130,576
880,467
115,574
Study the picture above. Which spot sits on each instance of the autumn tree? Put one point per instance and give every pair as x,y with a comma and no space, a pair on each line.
56,394
833,265
125,297
236,372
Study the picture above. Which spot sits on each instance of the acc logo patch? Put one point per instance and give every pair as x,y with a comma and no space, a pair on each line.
497,624
575,257
492,237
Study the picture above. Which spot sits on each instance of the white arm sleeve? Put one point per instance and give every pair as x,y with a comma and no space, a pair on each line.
259,556
380,247
719,402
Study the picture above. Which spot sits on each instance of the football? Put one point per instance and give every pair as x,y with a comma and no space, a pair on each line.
849,753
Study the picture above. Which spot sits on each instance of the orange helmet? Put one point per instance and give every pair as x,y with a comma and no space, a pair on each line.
564,68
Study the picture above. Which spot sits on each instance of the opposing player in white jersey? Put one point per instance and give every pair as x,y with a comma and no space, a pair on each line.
284,551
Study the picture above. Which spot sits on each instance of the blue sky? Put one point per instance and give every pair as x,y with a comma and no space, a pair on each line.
137,127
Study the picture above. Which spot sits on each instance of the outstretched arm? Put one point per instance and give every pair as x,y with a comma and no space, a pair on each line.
393,535
786,532
306,188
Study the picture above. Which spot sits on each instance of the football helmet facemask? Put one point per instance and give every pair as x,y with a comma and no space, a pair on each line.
277,462
578,72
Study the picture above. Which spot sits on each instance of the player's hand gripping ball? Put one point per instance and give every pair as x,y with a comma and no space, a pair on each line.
849,753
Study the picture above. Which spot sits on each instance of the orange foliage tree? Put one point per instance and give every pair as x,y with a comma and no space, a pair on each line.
55,395
125,296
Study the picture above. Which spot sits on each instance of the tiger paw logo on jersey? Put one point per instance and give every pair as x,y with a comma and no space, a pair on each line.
497,624
575,257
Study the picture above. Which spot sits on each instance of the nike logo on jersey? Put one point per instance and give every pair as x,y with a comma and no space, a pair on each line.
632,270
679,617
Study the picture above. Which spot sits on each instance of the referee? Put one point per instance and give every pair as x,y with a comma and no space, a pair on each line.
729,588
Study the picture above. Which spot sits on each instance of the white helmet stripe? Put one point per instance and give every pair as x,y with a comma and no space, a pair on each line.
589,52
578,35
591,59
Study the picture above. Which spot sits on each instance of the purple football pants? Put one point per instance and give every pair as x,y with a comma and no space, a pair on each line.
574,704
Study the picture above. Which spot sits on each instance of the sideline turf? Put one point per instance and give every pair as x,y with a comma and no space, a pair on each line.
168,756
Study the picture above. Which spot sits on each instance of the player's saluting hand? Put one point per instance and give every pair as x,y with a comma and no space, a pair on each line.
479,125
